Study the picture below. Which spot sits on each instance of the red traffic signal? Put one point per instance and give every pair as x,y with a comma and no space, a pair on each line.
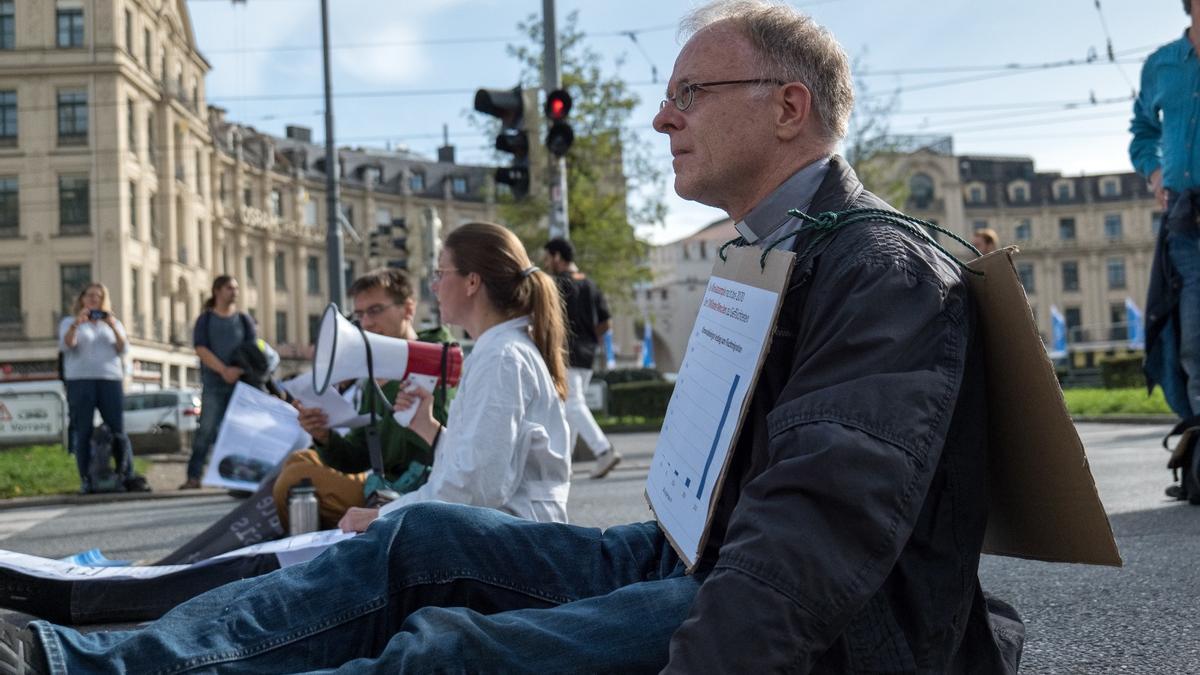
558,105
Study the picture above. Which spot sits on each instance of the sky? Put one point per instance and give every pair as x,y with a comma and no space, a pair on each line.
996,76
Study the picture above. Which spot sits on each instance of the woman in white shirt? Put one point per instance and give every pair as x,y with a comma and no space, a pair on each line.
92,341
505,446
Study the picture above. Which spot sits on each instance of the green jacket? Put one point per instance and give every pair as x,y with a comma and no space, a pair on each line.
407,458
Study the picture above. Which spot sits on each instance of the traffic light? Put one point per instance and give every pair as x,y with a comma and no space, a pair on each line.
380,241
561,135
508,106
399,254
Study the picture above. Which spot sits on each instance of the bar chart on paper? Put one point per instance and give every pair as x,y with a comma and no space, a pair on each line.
702,417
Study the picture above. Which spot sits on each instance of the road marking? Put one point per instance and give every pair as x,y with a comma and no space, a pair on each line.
19,520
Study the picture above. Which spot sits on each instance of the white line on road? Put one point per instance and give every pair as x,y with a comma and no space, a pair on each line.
19,520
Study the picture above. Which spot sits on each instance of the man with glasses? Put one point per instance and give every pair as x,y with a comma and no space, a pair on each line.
848,530
337,466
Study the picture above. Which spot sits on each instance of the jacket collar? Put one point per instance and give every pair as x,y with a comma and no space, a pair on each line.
494,333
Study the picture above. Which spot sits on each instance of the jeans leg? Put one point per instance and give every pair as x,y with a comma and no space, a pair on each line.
579,417
349,602
213,402
1185,257
81,403
110,399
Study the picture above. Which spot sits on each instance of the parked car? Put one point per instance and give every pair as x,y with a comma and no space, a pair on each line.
162,420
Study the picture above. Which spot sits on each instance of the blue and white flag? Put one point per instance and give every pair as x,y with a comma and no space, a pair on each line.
610,357
1058,334
647,344
1137,329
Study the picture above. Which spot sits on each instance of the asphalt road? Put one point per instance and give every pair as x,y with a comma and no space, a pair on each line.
1080,619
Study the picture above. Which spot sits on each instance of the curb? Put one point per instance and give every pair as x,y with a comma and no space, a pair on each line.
104,498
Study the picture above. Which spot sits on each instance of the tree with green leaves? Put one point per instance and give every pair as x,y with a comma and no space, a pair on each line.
604,159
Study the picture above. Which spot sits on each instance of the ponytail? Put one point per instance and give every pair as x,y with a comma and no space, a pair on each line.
516,287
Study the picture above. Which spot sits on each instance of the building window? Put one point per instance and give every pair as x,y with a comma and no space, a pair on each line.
458,185
1116,273
70,27
277,203
10,208
72,117
10,294
73,205
1020,194
1073,317
920,190
383,216
310,212
348,266
1024,230
150,151
72,280
250,270
129,31
133,210
704,250
1063,191
147,40
156,333
1119,328
280,271
199,173
1066,229
152,222
313,275
135,289
8,118
1025,273
281,336
247,197
1070,275
416,182
978,225
8,25
975,194
1113,230
130,122
1110,188
1155,222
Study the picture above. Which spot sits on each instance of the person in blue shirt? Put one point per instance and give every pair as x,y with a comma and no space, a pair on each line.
1166,151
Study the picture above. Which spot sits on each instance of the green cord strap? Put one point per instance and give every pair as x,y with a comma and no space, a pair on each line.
828,222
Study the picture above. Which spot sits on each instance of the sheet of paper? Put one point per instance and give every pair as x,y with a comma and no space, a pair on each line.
340,409
718,370
258,431
289,551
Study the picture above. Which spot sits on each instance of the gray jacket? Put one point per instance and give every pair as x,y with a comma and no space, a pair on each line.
848,534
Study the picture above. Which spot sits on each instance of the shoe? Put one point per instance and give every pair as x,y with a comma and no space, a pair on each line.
1176,492
190,484
240,494
20,654
605,463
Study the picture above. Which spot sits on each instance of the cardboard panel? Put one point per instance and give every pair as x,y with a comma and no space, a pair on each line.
1044,503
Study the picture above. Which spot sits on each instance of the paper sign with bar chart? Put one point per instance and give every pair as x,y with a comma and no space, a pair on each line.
718,370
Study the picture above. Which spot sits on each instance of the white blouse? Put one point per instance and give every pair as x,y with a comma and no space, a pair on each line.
505,444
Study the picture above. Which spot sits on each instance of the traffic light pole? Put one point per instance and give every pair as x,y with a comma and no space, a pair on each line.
333,228
551,80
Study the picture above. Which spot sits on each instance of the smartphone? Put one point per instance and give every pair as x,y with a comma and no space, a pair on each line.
97,315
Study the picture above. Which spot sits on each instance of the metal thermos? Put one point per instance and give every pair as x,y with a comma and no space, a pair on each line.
302,508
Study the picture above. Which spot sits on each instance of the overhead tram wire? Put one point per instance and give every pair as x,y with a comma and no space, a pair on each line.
1112,57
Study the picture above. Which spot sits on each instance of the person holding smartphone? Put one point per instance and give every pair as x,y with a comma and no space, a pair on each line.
93,342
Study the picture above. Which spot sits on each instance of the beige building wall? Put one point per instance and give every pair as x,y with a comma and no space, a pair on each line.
176,195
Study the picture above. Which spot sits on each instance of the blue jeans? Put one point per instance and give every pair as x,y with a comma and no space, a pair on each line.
432,587
1184,250
84,397
213,402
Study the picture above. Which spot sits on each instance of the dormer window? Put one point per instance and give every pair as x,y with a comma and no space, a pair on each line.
1064,190
976,193
1018,192
416,182
1110,187
458,185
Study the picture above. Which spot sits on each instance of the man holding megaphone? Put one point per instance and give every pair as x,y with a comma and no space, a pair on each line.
338,465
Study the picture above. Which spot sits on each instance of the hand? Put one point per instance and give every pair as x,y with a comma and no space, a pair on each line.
422,422
83,317
231,374
357,519
1156,186
110,320
315,422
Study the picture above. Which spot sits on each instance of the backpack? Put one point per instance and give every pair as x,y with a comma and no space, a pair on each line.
101,474
1184,457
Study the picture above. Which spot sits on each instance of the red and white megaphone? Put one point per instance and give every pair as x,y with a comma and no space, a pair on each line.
343,349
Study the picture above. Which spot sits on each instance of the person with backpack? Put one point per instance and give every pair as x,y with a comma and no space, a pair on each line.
93,341
218,333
